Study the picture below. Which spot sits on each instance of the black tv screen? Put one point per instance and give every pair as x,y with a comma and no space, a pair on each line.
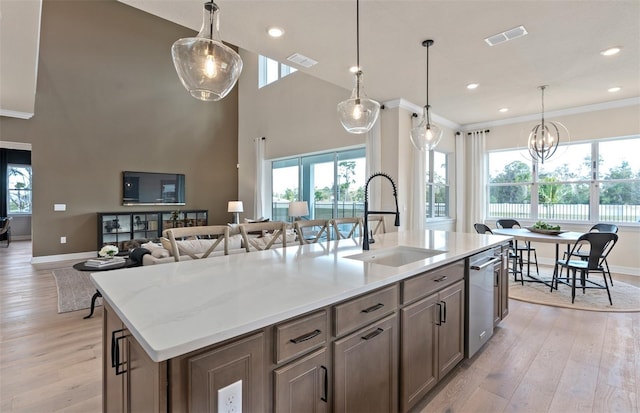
152,188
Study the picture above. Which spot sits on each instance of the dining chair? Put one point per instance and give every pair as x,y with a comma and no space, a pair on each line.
259,236
198,242
376,224
600,245
484,229
584,253
347,227
5,231
520,248
311,231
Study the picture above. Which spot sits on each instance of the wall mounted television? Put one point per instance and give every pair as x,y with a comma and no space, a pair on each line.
152,188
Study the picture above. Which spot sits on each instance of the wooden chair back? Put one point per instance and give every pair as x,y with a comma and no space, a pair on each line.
316,228
376,224
216,233
353,225
269,234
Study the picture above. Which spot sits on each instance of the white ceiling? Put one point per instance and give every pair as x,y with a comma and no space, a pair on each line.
562,49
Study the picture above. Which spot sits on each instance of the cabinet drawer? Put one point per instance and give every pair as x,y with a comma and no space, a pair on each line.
429,282
301,335
366,309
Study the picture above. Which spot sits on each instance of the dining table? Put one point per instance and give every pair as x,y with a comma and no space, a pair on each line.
523,234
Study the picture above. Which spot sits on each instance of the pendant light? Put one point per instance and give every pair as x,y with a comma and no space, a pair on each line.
545,137
207,68
358,114
426,135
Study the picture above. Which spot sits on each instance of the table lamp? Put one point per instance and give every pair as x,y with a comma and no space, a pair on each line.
236,208
298,209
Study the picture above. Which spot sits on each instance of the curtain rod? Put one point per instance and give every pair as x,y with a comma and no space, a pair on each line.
485,131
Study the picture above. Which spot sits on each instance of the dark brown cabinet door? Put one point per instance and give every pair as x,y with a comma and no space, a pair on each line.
451,330
365,369
418,369
302,385
242,360
146,381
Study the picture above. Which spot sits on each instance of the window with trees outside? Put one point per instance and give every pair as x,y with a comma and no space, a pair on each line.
332,183
437,194
19,189
587,181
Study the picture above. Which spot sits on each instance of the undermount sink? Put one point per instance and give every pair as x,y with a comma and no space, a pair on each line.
396,256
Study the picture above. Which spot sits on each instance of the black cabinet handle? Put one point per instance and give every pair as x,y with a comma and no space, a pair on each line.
326,384
439,322
444,311
444,277
373,334
115,351
373,308
305,337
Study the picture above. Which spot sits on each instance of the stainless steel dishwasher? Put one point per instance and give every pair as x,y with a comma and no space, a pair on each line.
480,299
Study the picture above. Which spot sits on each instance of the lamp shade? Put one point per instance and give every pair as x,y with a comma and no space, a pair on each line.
298,209
235,206
358,114
207,68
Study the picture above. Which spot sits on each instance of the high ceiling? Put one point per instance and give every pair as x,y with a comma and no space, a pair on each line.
562,49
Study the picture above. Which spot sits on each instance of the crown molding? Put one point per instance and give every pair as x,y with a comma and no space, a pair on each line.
15,114
413,108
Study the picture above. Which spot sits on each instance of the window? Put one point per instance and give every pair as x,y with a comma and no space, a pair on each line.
19,189
270,70
599,181
332,183
437,193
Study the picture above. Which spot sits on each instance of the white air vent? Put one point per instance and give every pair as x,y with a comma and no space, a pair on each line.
506,36
302,60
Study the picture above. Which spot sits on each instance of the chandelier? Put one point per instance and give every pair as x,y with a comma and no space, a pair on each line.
426,135
545,137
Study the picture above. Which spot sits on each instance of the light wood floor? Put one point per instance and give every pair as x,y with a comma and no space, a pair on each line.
540,358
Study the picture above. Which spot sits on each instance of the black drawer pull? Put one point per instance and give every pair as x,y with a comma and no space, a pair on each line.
444,277
325,391
115,352
373,334
439,322
373,308
305,337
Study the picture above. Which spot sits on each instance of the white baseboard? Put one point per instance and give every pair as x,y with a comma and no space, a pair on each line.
63,257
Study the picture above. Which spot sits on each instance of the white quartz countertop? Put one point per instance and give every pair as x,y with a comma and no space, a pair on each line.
175,308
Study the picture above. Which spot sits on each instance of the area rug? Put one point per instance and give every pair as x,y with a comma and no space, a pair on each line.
625,297
75,290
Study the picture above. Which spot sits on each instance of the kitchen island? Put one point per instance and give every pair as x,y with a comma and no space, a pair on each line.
185,321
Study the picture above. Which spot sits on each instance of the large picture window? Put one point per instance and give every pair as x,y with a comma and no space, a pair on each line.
332,183
593,181
19,189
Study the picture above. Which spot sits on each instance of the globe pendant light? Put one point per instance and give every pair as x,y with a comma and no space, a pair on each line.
207,68
426,135
358,114
545,137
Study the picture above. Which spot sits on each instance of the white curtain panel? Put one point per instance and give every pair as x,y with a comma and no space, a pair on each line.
260,144
462,221
374,162
476,181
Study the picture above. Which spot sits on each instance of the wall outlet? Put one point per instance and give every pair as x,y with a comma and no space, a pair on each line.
230,398
59,207
63,240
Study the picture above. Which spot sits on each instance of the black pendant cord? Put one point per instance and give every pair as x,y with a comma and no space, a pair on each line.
358,71
427,79
542,88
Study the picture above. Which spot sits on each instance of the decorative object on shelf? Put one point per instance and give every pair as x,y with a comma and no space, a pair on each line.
236,208
426,135
174,217
358,114
207,68
298,209
545,137
108,251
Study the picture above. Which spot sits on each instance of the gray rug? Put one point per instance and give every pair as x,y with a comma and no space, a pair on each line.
75,290
625,297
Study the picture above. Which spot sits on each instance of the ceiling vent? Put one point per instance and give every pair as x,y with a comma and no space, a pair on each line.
302,60
506,36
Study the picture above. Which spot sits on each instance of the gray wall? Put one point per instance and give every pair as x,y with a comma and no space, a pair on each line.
108,99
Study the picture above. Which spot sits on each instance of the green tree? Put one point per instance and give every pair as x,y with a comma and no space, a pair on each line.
621,193
346,173
516,171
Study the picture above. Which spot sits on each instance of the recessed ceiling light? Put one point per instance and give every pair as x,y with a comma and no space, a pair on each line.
611,51
503,110
275,32
614,89
472,86
353,69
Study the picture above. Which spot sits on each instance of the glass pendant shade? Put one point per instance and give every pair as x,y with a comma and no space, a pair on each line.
358,114
426,135
207,68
